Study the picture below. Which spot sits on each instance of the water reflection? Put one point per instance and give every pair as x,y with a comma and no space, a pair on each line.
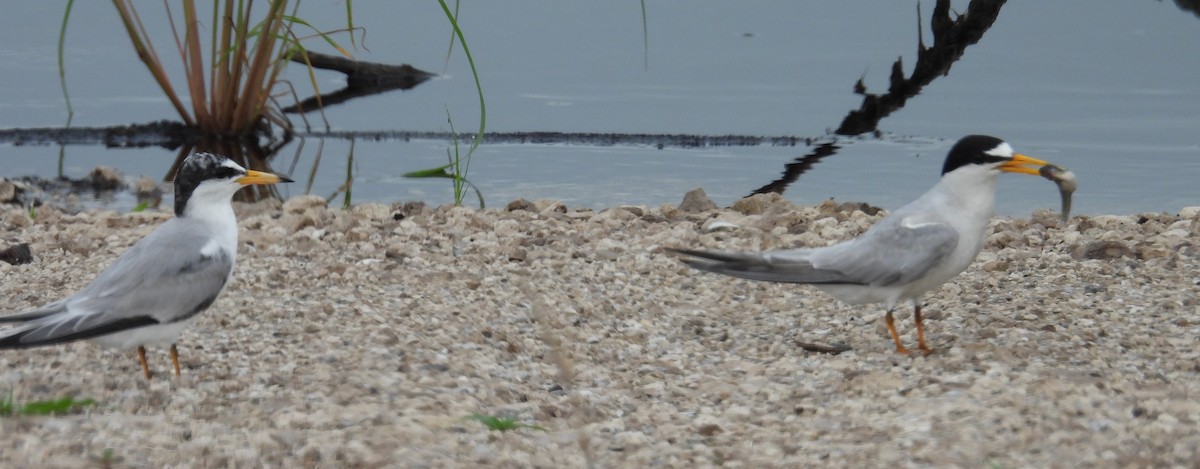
362,79
793,170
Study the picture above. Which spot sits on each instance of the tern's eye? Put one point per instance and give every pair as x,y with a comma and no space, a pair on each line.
228,173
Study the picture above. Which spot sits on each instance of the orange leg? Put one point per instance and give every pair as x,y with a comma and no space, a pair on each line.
891,325
175,359
920,330
145,364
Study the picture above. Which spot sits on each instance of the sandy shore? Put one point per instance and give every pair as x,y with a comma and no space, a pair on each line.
363,338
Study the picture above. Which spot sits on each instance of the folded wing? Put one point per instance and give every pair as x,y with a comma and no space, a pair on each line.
166,277
891,253
756,266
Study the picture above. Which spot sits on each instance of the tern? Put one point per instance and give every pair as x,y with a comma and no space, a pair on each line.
161,284
913,250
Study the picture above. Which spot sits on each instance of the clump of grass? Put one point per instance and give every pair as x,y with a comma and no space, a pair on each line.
229,84
66,405
502,424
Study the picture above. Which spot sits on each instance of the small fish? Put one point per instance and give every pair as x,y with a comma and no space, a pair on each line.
1066,185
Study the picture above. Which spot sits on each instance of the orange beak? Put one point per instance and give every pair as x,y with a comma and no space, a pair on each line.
1023,164
259,177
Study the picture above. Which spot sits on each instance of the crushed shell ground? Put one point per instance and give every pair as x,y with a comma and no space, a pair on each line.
365,337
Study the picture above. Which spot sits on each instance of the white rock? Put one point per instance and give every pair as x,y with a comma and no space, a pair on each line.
720,225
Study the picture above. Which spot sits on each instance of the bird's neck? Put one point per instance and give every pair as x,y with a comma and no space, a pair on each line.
969,194
214,212
210,203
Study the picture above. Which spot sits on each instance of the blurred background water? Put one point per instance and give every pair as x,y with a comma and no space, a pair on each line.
1107,89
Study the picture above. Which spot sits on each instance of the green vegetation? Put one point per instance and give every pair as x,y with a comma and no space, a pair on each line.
66,405
452,17
459,164
347,186
502,424
62,69
645,39
454,169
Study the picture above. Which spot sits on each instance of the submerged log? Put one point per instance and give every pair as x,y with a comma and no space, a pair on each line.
362,79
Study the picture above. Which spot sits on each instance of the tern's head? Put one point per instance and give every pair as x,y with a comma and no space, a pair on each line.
206,179
988,155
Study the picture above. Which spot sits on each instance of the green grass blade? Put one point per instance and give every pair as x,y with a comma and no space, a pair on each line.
455,159
350,22
502,424
349,177
645,39
6,405
9,408
332,43
478,194
55,407
442,171
478,86
62,68
450,48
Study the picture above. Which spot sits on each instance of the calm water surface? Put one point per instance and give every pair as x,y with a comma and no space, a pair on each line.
1107,89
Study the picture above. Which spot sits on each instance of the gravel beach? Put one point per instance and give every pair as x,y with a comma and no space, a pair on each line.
366,337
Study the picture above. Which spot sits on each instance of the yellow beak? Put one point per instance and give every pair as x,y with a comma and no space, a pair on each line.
259,177
1023,164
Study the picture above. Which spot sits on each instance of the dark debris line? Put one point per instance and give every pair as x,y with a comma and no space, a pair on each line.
168,134
582,138
173,135
362,79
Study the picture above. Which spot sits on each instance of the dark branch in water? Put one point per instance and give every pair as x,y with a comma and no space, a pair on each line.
950,41
362,79
1189,5
793,170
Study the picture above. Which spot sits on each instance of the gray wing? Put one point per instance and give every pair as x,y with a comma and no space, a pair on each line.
890,253
163,278
895,252
760,266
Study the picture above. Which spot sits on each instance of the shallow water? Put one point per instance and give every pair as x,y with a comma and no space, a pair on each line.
1105,91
